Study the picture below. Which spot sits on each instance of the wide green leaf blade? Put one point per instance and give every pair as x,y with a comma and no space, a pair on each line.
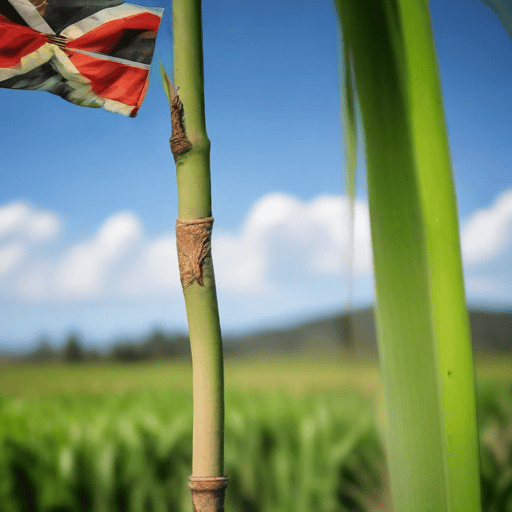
449,313
422,322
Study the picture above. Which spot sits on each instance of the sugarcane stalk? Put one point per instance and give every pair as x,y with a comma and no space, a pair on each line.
191,150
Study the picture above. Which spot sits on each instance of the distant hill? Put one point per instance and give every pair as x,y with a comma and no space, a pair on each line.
491,332
355,332
333,336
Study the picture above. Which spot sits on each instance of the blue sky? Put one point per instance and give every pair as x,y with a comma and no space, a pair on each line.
88,198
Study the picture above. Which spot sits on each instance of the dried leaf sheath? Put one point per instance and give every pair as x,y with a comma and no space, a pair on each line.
179,141
193,238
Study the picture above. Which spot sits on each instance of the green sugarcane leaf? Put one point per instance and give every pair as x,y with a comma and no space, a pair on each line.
422,323
452,337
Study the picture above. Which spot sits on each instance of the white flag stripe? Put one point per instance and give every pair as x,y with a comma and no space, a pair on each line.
29,13
104,16
112,59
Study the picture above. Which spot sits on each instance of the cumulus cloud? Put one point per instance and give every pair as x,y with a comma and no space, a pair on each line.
285,239
10,256
282,242
23,227
20,219
155,269
13,216
85,269
488,232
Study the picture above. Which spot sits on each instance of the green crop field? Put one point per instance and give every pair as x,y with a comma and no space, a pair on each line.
294,375
301,435
297,376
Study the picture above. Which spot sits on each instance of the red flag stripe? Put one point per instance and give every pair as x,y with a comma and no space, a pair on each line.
108,15
112,80
17,42
105,38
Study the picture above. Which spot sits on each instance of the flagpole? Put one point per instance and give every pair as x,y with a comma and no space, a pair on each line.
191,150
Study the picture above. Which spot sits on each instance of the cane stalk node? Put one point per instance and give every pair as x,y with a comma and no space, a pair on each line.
208,493
193,240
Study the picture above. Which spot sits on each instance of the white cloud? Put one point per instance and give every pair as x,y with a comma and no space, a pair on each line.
85,269
37,282
286,236
23,229
156,269
10,256
239,265
283,242
21,220
488,231
44,226
12,217
285,239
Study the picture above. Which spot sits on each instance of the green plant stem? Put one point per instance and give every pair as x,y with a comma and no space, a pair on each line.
194,201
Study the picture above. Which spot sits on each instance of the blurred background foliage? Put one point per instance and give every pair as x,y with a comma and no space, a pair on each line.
84,431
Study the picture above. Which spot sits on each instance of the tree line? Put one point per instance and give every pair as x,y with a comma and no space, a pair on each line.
157,345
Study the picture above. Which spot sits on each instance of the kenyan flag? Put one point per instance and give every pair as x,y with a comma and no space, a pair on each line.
94,53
